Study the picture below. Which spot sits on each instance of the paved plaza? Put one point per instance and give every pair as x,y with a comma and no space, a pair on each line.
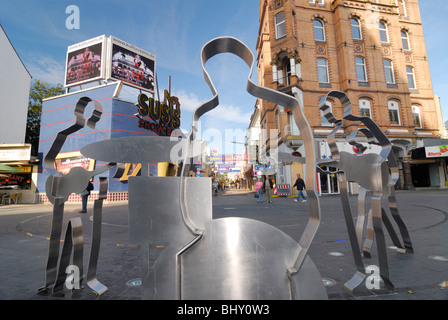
25,229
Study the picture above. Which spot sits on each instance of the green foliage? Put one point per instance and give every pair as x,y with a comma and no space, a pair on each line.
39,91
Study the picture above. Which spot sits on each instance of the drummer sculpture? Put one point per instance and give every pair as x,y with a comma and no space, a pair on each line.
229,258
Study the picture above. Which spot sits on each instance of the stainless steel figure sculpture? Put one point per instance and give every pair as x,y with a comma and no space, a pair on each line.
58,189
376,173
195,256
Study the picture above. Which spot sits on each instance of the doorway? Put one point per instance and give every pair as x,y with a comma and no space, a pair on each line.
328,183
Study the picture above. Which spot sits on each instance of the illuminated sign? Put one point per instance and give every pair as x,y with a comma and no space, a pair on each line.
131,65
165,114
85,62
103,58
435,152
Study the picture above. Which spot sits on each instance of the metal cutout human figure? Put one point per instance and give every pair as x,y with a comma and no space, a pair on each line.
58,188
376,173
195,256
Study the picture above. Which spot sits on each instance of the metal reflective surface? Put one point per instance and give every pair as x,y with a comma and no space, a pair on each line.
230,258
235,258
376,173
58,188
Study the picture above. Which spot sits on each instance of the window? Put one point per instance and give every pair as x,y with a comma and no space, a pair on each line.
280,25
403,8
319,31
317,1
384,36
389,71
394,115
364,108
416,116
411,77
324,120
405,40
356,29
322,70
284,72
279,121
361,69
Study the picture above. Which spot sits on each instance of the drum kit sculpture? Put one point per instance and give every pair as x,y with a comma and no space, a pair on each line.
228,258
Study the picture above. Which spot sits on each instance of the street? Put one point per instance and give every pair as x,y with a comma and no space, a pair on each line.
25,233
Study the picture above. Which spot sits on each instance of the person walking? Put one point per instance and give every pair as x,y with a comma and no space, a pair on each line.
85,196
259,187
268,185
300,184
215,188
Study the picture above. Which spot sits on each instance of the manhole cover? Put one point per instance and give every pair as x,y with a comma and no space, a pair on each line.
439,258
328,282
134,283
336,254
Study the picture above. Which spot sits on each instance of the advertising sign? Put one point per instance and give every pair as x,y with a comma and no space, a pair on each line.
436,152
131,65
86,62
65,162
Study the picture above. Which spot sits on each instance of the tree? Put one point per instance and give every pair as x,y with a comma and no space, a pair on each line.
39,91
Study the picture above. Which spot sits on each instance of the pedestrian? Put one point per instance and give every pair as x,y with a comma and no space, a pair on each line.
259,187
268,185
300,184
215,188
85,196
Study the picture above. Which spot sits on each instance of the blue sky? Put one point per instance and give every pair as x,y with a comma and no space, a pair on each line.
175,31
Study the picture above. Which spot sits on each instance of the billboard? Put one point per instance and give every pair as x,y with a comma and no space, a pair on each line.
86,62
131,65
66,161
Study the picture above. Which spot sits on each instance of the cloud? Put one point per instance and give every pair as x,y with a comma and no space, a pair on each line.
45,68
190,102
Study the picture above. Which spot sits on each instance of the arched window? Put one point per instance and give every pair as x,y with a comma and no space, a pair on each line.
364,108
416,117
405,40
322,70
394,114
411,77
319,30
384,36
361,71
404,10
389,71
280,25
356,29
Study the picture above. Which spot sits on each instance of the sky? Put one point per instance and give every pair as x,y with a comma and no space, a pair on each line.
175,32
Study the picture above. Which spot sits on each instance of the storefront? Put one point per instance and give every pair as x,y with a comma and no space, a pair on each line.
17,174
429,166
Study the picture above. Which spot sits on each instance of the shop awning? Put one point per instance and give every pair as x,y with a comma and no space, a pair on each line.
4,167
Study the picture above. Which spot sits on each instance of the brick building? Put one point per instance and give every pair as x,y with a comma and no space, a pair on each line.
375,52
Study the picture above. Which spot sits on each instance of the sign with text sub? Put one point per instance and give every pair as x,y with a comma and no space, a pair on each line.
436,152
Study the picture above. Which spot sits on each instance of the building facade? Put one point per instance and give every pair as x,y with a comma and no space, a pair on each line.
375,52
18,171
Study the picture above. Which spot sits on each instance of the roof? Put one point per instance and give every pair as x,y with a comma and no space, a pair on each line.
1,27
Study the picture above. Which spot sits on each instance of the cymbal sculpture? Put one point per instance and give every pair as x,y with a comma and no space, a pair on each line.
377,173
195,256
